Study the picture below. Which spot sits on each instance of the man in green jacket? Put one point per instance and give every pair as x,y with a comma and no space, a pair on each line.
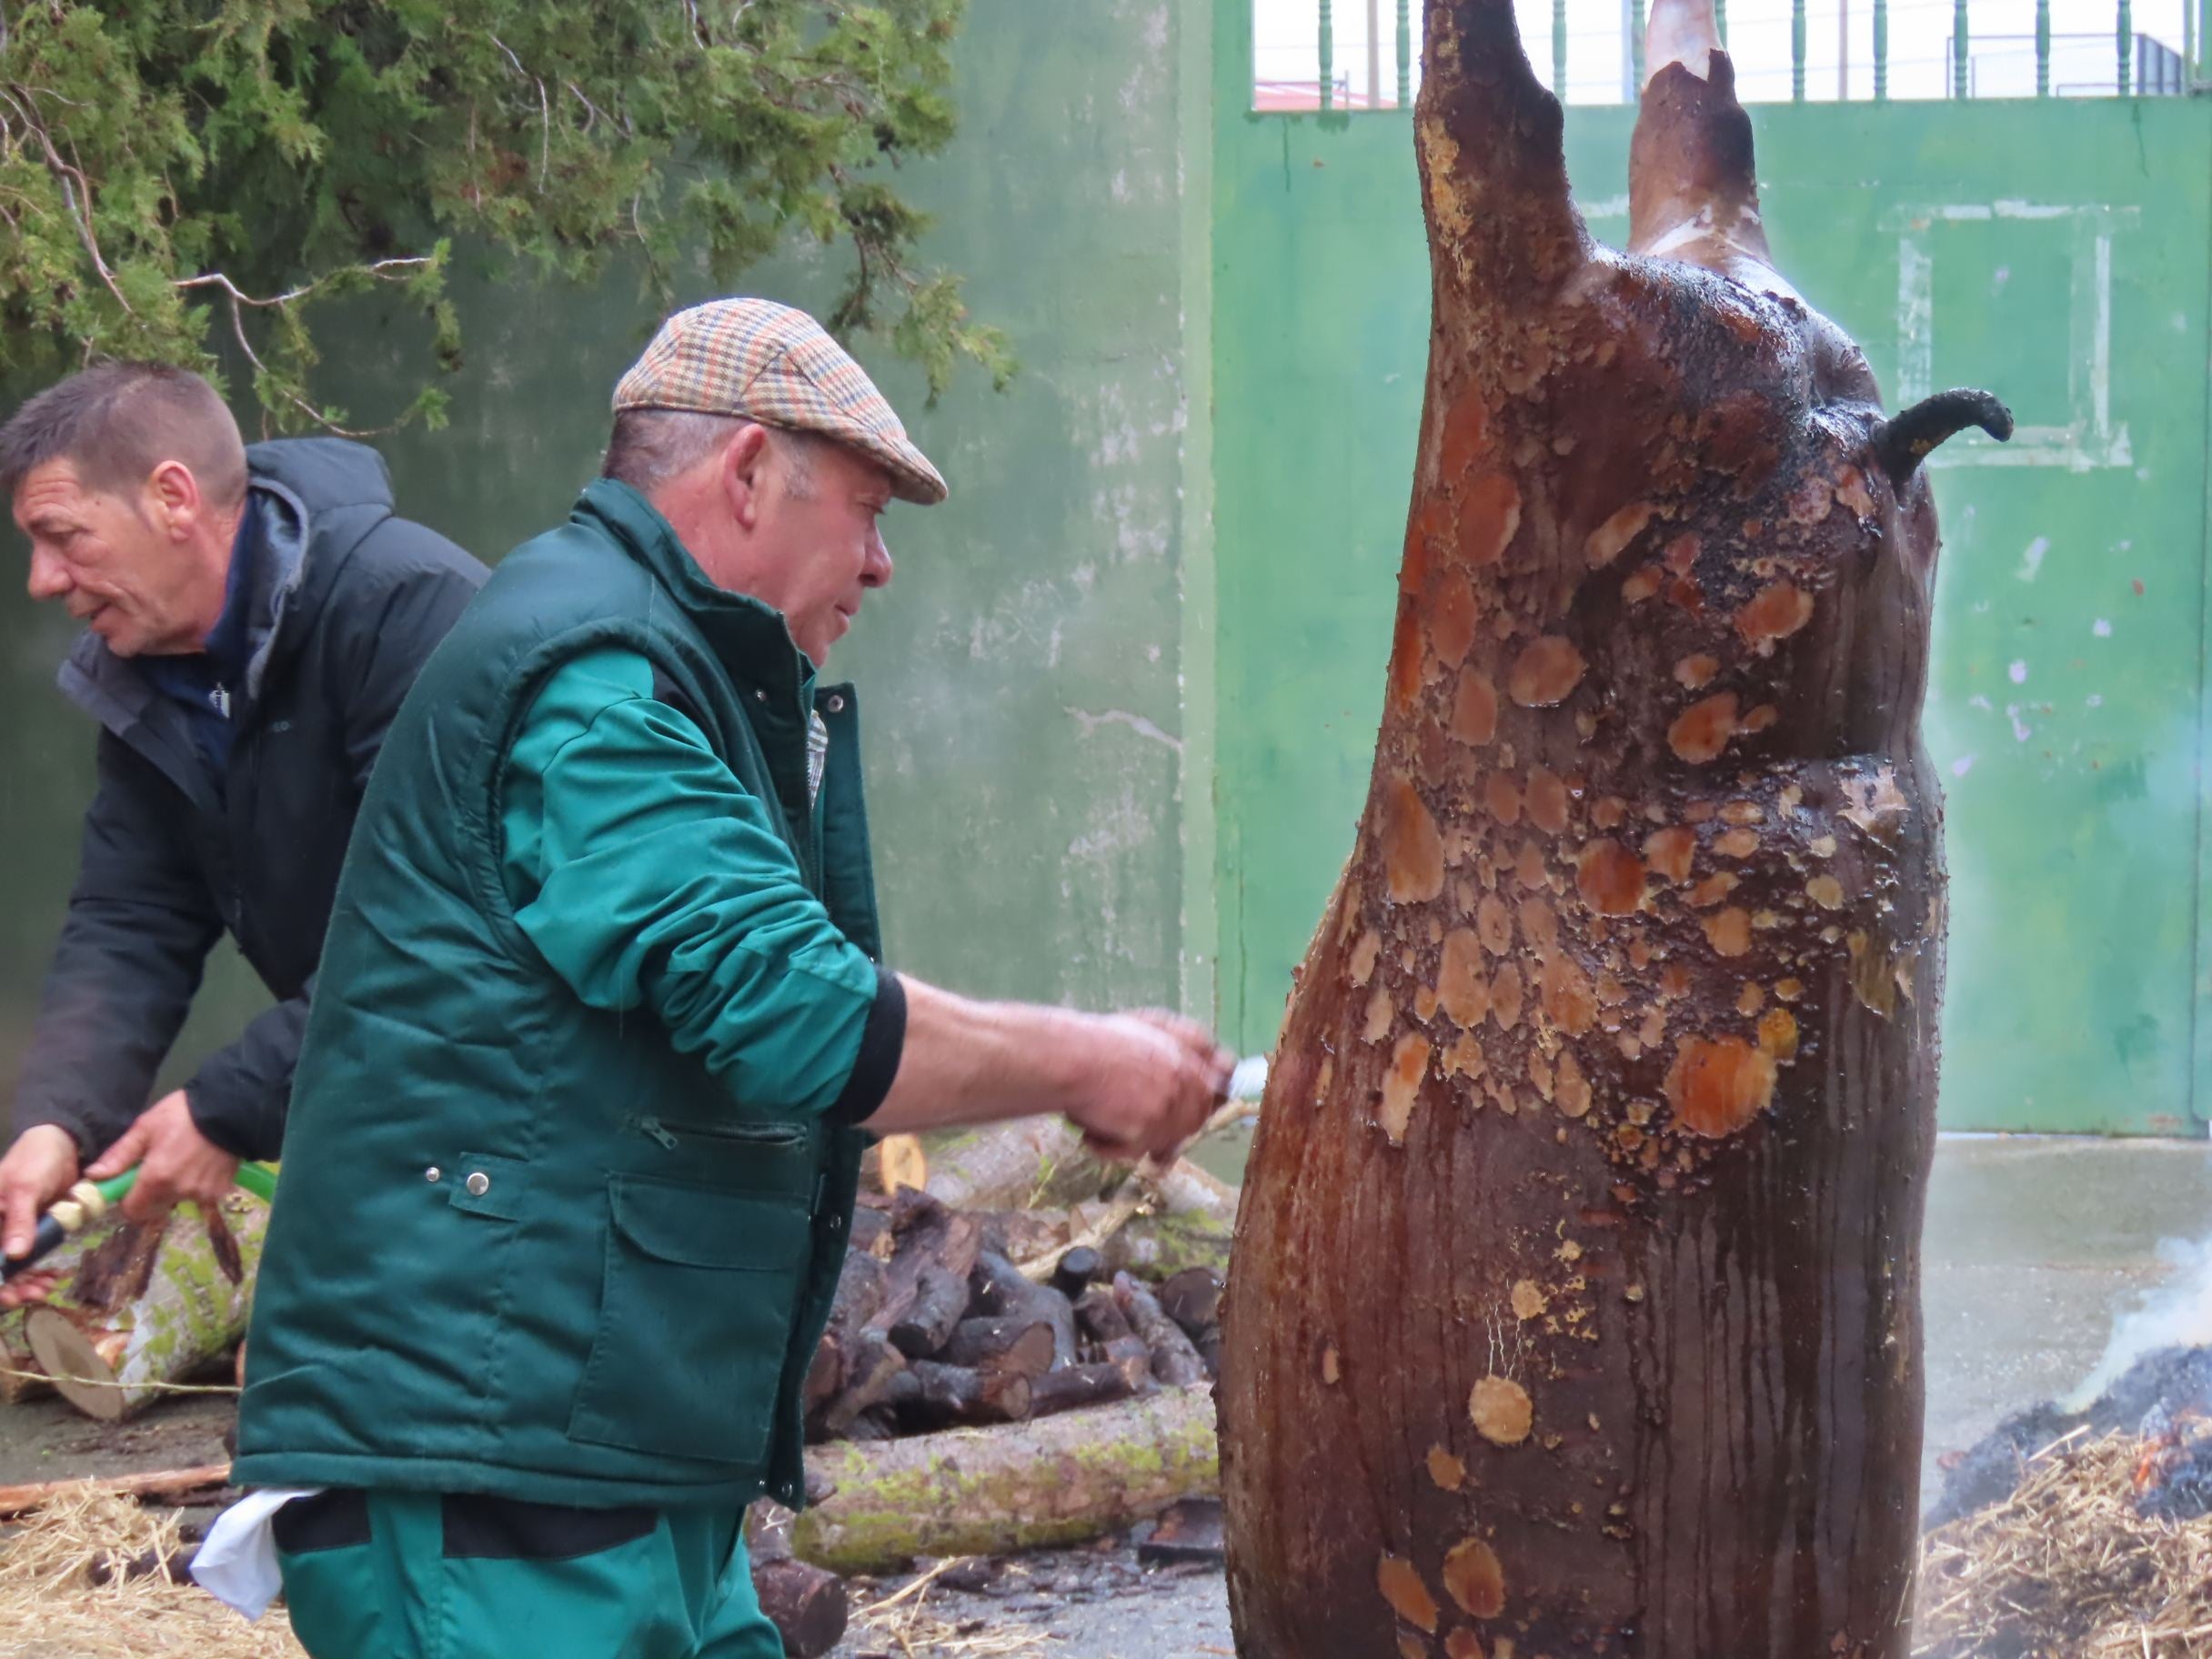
579,1114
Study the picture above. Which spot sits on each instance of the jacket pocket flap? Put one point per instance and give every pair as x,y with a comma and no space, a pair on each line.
485,1184
701,1227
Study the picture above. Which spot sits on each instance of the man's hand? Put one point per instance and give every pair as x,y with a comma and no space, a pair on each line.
176,1164
38,1169
1156,1078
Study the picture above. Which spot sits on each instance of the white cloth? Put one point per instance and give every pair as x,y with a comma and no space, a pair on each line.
237,1564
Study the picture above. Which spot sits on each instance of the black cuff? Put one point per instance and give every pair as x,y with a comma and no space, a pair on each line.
220,1120
882,1042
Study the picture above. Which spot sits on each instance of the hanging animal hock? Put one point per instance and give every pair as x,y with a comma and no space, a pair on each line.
1575,1300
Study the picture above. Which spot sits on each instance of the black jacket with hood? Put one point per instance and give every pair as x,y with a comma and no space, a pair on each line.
348,600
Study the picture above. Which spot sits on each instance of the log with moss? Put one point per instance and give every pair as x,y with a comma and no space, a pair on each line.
151,1306
973,1492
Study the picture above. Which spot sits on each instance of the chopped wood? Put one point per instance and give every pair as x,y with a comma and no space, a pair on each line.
928,1234
901,1163
1001,1344
931,1395
1116,1214
807,1604
1023,1235
872,1230
1077,1269
168,1484
940,1297
1074,1387
1174,1361
1130,1350
1000,1288
860,1289
1192,1299
871,1371
1100,1316
1028,1163
971,1492
1158,1245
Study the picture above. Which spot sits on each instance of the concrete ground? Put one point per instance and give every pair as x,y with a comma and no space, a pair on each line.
2033,1245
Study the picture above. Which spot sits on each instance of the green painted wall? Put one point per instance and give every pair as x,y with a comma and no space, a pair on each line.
1024,680
2056,252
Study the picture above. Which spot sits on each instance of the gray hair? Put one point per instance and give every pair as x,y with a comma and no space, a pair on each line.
650,446
115,422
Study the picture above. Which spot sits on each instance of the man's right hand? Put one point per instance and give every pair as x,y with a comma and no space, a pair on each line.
1153,1081
38,1169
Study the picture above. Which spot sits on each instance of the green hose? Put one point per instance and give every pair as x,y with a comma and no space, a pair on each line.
69,1215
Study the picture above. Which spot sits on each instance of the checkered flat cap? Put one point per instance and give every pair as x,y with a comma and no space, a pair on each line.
769,363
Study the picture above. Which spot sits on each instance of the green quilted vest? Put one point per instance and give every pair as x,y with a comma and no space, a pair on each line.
521,1246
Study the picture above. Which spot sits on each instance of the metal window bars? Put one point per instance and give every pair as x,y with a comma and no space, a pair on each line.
2140,65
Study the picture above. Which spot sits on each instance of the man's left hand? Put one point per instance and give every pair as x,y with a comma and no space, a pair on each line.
176,1164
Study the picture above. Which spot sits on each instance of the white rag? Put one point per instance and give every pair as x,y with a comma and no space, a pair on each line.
237,1564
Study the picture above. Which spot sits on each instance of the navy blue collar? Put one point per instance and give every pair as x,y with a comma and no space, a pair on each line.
230,642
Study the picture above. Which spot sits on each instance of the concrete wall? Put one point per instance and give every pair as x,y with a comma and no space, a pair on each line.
1025,689
2054,253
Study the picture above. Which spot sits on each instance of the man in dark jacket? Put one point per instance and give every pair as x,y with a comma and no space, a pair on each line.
254,618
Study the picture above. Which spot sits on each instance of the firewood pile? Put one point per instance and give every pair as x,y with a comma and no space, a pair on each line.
944,1318
2095,1542
995,1378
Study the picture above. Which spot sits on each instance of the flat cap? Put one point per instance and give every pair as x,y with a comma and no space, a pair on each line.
762,361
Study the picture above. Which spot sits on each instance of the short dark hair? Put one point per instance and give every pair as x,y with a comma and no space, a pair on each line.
115,422
649,446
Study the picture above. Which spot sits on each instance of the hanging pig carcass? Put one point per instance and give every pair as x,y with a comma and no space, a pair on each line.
1575,1306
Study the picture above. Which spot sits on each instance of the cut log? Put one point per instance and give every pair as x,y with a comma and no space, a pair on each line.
165,1486
1174,1361
997,1343
1075,1386
1159,1245
931,1395
871,1229
871,1371
901,1163
1076,1269
1042,1164
1001,1290
1130,1351
157,1304
21,1377
1577,1278
1152,1242
1024,1235
979,1491
1192,1299
928,1236
1028,1163
940,1297
1100,1316
807,1604
859,1292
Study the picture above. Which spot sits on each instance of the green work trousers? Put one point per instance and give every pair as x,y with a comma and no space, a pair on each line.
415,1575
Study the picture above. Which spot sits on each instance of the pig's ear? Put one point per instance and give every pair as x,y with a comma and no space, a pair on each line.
1693,189
1901,443
1493,173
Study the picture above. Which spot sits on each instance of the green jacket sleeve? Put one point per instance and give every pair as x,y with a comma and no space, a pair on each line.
648,876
